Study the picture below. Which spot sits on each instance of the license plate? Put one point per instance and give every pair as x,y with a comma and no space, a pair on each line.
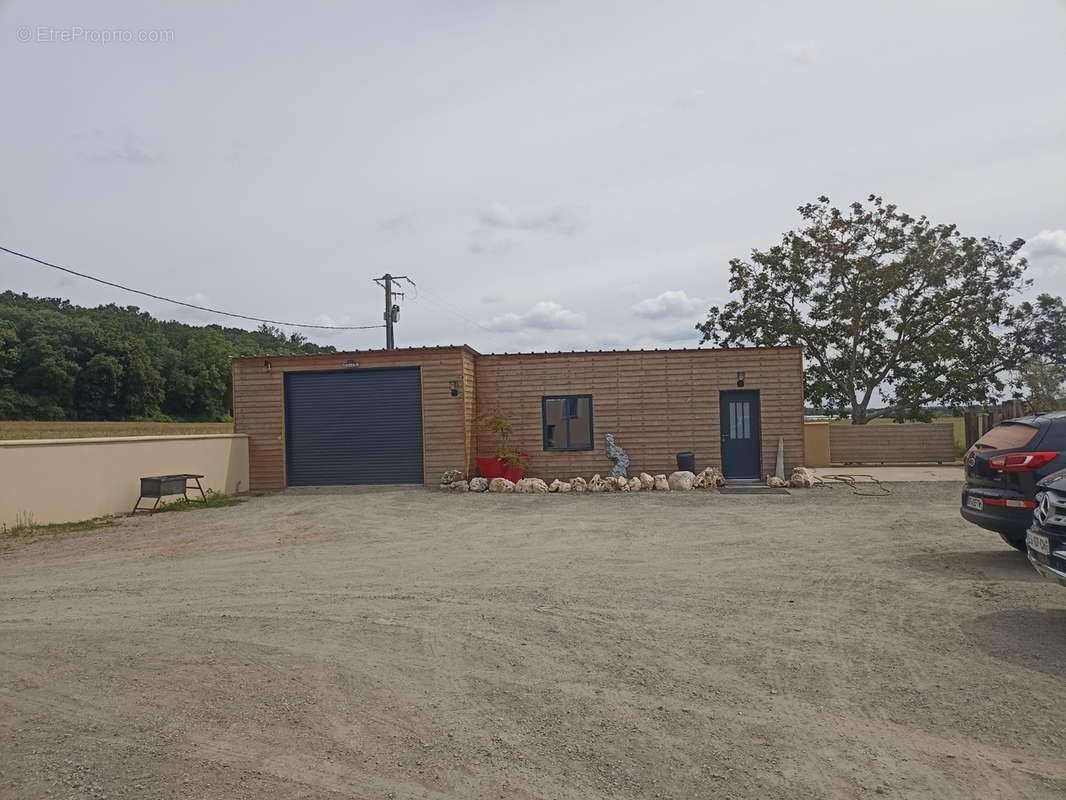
1038,543
975,502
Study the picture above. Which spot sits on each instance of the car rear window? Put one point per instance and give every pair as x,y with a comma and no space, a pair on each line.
1008,436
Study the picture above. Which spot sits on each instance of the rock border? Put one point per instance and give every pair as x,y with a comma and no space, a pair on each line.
709,479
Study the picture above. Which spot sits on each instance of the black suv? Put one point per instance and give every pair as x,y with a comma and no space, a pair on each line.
1002,471
1047,535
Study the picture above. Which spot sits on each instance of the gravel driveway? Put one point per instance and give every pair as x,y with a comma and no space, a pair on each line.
416,644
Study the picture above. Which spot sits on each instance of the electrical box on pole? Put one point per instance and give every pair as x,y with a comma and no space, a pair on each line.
392,311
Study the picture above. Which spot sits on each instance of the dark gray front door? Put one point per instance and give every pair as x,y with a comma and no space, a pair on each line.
741,436
357,426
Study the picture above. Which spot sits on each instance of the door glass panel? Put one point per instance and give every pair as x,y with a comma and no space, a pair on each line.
739,419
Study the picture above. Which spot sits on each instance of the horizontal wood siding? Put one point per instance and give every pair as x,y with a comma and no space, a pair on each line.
258,407
655,403
922,442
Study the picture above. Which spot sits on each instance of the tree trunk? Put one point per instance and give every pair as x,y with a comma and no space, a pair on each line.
858,414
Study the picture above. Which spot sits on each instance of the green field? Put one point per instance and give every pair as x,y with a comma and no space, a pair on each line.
88,430
958,422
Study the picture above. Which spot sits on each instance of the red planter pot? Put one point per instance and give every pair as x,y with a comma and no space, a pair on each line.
513,474
491,467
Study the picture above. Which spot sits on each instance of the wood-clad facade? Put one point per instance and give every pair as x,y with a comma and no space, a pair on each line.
259,405
656,403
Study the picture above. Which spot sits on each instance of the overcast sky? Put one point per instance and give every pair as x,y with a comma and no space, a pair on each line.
562,175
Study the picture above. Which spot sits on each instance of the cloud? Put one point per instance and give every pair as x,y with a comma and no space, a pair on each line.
325,333
545,315
681,332
1046,244
806,52
499,227
1046,252
484,240
399,223
130,151
234,153
195,314
691,99
673,303
559,219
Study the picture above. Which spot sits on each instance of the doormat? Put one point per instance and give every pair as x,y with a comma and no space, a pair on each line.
752,488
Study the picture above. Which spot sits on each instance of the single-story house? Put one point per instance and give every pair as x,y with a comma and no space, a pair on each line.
408,415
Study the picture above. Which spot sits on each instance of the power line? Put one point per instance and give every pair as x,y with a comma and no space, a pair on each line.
452,310
183,303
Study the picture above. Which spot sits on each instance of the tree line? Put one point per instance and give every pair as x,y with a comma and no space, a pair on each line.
60,361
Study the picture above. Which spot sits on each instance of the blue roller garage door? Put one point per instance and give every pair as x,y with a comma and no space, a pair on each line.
359,426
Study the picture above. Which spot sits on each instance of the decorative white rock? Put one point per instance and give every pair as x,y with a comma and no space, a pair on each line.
710,479
646,481
500,485
802,478
660,483
479,484
531,486
681,481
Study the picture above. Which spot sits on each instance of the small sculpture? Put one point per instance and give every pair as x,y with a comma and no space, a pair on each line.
619,457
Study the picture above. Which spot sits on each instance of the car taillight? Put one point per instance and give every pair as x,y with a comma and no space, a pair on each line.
998,501
1021,462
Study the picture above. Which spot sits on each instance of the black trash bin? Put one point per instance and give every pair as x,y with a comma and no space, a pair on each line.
686,462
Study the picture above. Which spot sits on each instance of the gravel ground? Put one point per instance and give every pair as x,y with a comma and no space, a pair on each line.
416,644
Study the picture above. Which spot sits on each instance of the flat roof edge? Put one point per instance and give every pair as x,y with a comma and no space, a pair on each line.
467,348
338,353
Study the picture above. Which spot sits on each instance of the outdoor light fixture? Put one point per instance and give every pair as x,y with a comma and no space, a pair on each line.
453,385
349,363
740,378
266,365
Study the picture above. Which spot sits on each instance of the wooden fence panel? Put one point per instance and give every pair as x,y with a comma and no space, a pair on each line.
892,444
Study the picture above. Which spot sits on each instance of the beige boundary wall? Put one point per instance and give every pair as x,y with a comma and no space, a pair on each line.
67,480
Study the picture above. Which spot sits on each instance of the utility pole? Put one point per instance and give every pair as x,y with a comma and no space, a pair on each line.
392,311
390,342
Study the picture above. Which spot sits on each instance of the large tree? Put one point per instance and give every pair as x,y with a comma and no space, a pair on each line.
890,307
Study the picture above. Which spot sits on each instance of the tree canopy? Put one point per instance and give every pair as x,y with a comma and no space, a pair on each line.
889,304
62,361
